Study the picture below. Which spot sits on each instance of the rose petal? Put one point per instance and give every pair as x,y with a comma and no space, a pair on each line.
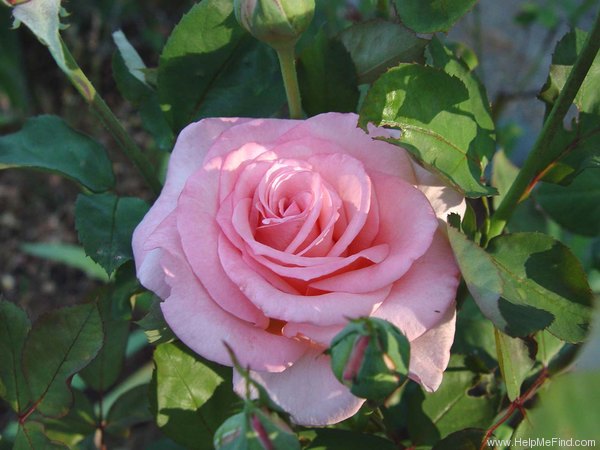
443,198
192,145
199,234
430,353
420,299
338,133
407,224
325,309
307,390
204,327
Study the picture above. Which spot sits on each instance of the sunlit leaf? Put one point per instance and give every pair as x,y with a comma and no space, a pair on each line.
436,119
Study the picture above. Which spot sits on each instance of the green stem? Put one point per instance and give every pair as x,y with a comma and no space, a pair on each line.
541,155
287,62
110,121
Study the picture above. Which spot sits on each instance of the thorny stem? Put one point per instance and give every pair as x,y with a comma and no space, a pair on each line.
110,121
517,404
287,62
540,155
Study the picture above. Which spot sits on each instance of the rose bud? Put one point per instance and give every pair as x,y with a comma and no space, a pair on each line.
371,357
278,23
252,429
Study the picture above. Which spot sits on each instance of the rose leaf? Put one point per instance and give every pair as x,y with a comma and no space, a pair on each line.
428,17
210,67
377,45
435,117
48,143
31,436
189,398
14,327
105,224
60,344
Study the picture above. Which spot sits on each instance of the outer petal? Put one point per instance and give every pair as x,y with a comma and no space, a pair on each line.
443,198
308,391
341,131
204,327
430,353
420,299
192,146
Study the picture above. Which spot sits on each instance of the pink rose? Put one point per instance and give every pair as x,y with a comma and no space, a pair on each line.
269,234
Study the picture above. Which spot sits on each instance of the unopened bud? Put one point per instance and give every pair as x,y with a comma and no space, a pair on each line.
254,429
279,23
371,357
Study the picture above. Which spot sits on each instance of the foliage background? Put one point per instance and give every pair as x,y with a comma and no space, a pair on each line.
39,208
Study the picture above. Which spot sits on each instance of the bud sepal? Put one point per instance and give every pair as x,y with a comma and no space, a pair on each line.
371,357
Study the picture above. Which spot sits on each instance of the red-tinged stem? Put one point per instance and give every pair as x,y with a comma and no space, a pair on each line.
517,404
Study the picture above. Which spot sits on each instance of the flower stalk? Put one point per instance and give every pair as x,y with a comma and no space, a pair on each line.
541,156
87,90
287,62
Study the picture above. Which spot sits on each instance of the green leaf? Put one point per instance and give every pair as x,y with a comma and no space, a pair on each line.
467,439
431,16
48,143
478,105
567,409
14,327
527,282
578,148
515,362
539,271
463,400
575,207
210,67
104,370
564,56
71,255
61,343
131,408
129,72
332,439
75,426
105,224
377,45
327,77
31,437
191,398
504,173
486,284
435,116
155,326
475,336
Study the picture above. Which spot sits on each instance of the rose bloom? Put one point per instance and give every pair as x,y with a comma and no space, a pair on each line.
269,234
